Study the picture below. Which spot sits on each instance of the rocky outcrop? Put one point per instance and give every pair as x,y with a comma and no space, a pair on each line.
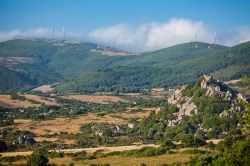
183,103
186,106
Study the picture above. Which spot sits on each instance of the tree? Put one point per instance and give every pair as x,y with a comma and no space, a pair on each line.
3,146
38,158
187,139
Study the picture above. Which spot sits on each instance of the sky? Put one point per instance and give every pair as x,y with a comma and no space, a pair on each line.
150,24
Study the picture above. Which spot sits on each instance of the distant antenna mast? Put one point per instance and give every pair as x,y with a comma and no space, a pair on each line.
214,37
195,36
53,34
135,46
114,44
63,33
82,36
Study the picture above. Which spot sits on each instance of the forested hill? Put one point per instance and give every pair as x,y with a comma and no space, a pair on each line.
167,67
89,67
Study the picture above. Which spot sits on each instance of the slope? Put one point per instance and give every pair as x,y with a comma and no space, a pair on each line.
28,63
168,67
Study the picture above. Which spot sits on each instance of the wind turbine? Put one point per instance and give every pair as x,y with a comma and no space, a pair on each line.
63,33
215,37
135,46
195,39
53,33
114,42
82,37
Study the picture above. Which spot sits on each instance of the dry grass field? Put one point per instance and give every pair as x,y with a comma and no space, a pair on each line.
135,161
70,125
6,101
123,161
43,88
46,101
95,98
88,150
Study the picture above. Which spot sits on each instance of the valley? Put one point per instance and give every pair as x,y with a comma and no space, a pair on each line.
175,106
157,126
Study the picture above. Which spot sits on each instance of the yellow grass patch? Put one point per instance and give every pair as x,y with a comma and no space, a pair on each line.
70,125
39,99
6,101
95,98
128,161
55,140
88,150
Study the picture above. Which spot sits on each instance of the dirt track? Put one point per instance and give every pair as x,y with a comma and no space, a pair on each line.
89,150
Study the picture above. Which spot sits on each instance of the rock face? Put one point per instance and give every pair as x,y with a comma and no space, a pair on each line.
211,86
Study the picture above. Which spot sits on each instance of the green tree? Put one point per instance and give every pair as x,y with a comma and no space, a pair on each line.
3,146
38,158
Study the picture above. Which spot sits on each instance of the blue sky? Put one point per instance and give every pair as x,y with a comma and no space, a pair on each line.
88,16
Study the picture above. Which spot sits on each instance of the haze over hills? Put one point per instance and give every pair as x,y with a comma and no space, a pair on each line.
86,67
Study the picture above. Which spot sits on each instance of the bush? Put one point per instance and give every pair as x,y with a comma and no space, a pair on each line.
195,151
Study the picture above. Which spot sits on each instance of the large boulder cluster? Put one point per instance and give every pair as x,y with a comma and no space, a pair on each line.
186,106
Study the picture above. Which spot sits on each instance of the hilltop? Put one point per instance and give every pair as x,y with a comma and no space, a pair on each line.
204,110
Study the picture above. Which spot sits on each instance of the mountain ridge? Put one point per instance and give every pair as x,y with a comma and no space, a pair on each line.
55,61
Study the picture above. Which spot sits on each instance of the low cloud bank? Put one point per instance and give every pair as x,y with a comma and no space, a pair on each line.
146,37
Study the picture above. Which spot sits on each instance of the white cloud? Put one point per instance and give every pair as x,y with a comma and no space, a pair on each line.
159,35
38,33
149,36
235,36
7,35
154,35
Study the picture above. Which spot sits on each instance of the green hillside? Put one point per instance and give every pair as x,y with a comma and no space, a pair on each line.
168,67
82,66
28,63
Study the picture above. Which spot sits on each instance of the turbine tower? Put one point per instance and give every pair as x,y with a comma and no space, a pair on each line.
114,44
195,36
214,37
53,33
63,33
82,37
135,46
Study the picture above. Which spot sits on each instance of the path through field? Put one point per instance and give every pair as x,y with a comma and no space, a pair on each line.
89,150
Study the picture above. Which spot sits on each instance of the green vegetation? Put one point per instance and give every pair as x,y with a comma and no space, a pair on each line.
191,130
168,67
38,158
14,96
144,152
234,149
39,62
